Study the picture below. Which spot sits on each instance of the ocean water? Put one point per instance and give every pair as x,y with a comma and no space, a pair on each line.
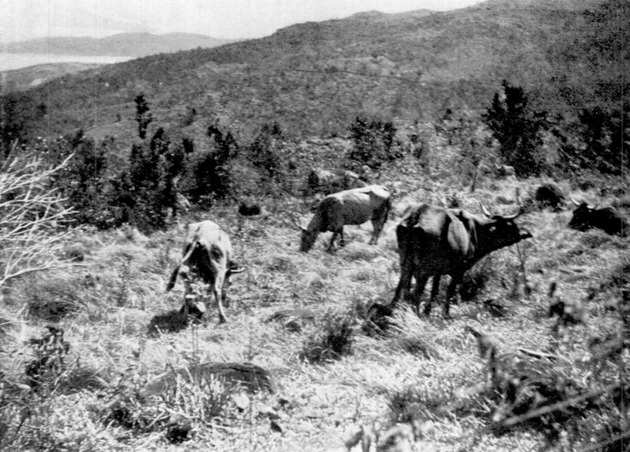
10,61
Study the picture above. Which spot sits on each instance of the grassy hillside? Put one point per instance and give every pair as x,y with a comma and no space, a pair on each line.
330,377
27,78
314,78
123,44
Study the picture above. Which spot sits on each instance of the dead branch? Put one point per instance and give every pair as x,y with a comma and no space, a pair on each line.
31,213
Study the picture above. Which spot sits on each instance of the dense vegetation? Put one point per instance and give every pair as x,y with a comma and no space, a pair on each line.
314,78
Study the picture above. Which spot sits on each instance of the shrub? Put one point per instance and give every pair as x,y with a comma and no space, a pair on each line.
147,188
373,142
517,129
83,181
604,134
263,152
211,172
332,342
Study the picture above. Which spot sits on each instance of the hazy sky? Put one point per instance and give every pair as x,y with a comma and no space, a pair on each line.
25,19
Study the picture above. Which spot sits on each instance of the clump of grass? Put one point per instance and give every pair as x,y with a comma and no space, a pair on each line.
50,299
595,239
120,296
476,280
185,405
332,341
616,283
437,401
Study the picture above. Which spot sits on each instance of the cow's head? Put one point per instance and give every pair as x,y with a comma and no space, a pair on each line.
307,240
502,230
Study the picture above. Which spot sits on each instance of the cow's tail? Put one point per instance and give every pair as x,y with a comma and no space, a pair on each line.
173,279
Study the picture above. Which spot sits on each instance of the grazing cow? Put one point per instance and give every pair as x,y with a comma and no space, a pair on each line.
355,206
433,241
207,254
609,219
550,195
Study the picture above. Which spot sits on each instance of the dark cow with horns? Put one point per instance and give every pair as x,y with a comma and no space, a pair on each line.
207,255
434,241
355,206
608,219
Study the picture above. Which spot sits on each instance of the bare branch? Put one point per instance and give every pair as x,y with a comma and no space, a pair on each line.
31,212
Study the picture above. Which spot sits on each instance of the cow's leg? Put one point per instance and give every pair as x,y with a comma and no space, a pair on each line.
404,283
331,245
224,298
435,289
336,233
342,242
451,292
218,296
376,231
421,281
378,225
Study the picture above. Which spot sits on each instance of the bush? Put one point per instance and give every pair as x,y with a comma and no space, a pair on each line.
517,129
211,172
263,152
332,342
604,134
147,188
373,142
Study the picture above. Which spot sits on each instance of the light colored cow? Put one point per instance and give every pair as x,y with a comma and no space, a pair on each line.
354,207
207,255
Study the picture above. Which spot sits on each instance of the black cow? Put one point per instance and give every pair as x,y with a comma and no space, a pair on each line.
608,219
550,195
433,241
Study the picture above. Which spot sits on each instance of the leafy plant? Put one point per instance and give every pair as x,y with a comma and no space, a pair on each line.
147,188
373,142
211,172
332,342
517,129
263,152
143,115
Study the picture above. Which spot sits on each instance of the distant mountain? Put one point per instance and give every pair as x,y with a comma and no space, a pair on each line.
124,44
315,78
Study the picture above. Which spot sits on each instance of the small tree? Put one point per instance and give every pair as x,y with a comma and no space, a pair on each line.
82,181
604,133
211,171
147,188
31,216
143,115
517,129
263,152
373,142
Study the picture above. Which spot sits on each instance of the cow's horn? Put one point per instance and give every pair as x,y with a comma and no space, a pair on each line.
484,210
514,215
